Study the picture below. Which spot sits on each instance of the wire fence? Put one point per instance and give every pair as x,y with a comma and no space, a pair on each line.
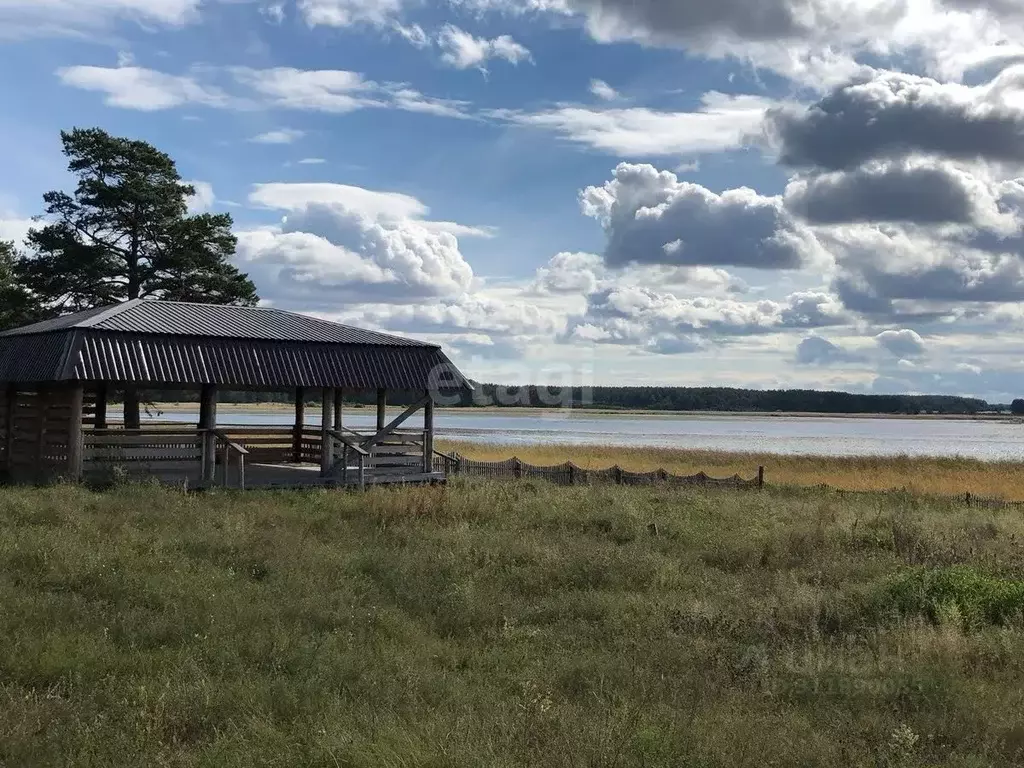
967,498
570,474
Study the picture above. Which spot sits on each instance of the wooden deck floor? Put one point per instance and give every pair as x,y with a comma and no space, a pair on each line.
268,476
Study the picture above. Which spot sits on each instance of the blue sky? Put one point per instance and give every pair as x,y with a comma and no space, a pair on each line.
818,194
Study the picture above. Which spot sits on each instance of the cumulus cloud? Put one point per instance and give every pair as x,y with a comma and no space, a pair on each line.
339,246
323,256
573,273
478,313
721,122
815,350
651,217
638,316
895,114
368,203
917,191
462,50
891,272
814,42
904,344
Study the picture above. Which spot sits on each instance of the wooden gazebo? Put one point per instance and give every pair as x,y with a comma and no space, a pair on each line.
56,377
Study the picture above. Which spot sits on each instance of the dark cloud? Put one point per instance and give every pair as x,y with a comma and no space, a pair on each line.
895,115
698,23
892,272
922,193
651,217
815,350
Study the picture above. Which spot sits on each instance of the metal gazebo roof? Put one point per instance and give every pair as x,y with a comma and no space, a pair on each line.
155,343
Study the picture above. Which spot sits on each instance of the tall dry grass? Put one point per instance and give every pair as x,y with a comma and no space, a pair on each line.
509,625
933,476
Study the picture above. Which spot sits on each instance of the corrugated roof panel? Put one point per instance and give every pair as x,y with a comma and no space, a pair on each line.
160,360
34,358
58,323
214,320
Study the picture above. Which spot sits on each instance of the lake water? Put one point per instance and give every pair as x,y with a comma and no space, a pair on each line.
822,436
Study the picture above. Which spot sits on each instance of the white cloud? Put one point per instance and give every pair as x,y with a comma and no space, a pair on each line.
38,18
330,91
142,89
666,324
347,246
280,136
344,13
335,91
572,273
722,122
204,197
367,202
312,161
904,344
603,91
462,50
412,34
274,12
325,255
14,229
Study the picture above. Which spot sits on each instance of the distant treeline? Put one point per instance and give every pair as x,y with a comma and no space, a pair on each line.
648,399
721,399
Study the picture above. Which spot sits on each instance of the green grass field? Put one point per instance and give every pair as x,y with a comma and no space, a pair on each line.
507,625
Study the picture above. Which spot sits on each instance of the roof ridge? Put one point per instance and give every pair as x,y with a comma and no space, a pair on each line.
111,311
289,312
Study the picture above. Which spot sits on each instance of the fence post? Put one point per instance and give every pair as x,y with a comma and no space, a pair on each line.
618,474
517,468
968,498
760,477
572,473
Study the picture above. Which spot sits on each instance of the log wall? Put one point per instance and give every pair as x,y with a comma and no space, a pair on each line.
36,433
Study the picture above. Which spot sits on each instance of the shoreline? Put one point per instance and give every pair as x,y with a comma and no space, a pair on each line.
531,412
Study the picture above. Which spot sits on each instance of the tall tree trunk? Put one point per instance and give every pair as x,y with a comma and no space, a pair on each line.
132,419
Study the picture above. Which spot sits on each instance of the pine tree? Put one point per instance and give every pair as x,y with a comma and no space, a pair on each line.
125,233
16,306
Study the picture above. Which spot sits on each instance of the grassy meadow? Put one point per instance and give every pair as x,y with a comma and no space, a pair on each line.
515,624
931,476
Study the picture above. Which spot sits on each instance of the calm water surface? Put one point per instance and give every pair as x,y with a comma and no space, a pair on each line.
822,436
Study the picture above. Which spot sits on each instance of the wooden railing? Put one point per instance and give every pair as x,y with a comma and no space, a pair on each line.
230,449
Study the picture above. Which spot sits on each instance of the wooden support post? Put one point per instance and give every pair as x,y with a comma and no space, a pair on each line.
43,406
100,417
339,397
382,406
326,424
132,416
300,422
12,404
428,435
760,477
75,445
208,423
